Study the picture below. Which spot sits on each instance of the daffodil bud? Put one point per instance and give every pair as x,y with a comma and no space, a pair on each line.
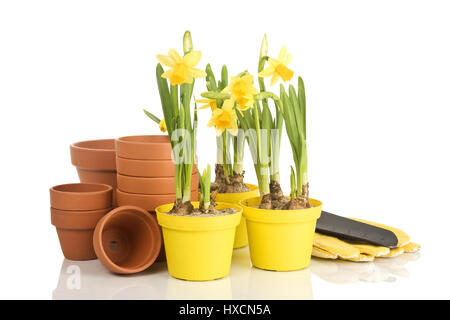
264,47
187,43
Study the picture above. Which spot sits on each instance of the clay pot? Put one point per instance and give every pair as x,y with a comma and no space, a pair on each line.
75,230
81,196
95,161
158,185
152,147
148,202
75,210
127,240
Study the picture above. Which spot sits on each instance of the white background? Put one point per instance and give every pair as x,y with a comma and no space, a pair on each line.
377,84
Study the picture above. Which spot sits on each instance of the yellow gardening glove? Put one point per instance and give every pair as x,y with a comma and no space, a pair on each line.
327,247
335,246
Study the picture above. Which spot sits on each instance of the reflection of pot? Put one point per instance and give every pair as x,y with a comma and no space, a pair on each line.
240,273
280,240
194,290
89,280
241,239
198,248
294,285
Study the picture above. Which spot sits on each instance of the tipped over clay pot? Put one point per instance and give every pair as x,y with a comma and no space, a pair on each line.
81,196
127,240
75,230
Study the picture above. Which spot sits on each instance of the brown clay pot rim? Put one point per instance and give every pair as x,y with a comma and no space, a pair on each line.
77,145
88,155
128,139
79,212
106,188
98,242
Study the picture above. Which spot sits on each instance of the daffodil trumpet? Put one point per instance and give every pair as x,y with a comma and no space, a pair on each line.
176,107
229,173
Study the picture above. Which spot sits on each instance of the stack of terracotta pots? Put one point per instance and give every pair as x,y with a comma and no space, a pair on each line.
146,172
75,210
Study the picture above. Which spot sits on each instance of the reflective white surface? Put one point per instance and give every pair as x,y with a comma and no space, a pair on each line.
90,280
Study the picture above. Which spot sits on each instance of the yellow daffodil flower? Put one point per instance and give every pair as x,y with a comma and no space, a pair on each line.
183,70
242,91
278,68
162,125
208,103
224,118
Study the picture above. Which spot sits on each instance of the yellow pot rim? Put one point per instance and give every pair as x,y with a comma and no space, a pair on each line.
279,216
199,223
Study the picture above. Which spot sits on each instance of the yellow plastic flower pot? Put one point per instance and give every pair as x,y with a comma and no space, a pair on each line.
280,240
240,239
198,248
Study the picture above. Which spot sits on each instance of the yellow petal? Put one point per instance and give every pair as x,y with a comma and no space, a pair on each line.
228,105
189,79
165,60
282,54
175,56
275,79
219,131
196,73
335,246
411,247
267,72
320,253
167,74
273,63
211,122
288,59
192,58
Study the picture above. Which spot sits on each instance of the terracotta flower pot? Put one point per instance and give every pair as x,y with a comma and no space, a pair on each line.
160,185
127,240
148,202
75,230
81,196
95,161
152,147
